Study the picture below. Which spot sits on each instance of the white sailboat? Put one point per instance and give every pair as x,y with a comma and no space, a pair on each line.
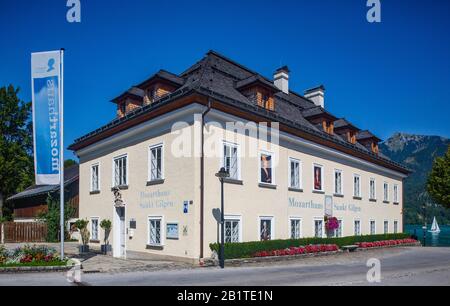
435,227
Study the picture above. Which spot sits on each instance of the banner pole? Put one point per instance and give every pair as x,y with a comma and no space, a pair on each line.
61,156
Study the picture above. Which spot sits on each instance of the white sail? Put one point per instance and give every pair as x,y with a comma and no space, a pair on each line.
435,226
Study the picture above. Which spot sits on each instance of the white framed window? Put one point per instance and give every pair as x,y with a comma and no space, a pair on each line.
231,161
94,228
156,162
372,189
155,231
318,228
266,169
233,229
318,177
373,228
295,173
396,193
338,182
357,227
120,171
385,192
338,232
295,227
266,228
95,177
395,226
356,185
386,227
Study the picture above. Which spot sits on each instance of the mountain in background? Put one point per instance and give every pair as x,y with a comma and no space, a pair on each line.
417,153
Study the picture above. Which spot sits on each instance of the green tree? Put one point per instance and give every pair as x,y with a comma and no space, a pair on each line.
69,163
51,217
438,184
16,162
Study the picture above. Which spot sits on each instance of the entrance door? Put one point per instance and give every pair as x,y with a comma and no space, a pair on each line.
120,232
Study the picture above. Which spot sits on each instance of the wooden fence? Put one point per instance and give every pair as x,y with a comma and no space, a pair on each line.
24,232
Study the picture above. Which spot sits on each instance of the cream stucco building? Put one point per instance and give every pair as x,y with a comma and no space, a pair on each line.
151,171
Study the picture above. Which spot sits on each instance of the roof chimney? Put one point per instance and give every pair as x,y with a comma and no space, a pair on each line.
281,79
316,95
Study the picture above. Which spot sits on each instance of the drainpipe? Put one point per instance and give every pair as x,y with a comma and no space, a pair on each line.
202,179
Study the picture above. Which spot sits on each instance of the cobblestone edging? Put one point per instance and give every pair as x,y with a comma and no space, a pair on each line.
35,269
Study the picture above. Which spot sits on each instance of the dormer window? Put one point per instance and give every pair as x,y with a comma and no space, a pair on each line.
265,101
322,119
368,140
328,127
258,90
346,130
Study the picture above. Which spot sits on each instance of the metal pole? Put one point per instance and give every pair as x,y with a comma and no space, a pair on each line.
61,156
222,229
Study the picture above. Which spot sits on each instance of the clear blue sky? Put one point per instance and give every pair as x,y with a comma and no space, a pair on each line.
387,77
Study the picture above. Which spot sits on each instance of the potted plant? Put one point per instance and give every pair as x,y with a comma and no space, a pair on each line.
106,226
81,225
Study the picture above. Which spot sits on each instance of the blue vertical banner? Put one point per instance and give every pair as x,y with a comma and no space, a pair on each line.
47,117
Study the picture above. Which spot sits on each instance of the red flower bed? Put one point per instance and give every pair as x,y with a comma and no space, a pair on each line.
309,249
366,245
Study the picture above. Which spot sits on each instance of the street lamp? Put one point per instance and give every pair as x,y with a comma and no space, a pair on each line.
222,174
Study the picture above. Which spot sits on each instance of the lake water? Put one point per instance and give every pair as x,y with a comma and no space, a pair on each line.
435,240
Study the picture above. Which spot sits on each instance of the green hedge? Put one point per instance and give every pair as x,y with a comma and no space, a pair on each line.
248,249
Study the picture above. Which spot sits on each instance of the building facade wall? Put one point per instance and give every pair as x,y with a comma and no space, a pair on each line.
245,200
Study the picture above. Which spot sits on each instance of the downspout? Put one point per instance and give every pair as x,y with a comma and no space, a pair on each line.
202,180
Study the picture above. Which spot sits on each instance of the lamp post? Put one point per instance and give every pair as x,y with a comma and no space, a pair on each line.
424,224
222,174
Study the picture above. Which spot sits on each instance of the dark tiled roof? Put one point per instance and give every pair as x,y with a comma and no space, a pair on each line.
316,111
219,77
256,79
166,75
343,123
70,175
362,135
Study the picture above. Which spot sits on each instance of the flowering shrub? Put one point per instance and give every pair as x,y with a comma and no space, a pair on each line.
331,224
27,254
309,249
383,243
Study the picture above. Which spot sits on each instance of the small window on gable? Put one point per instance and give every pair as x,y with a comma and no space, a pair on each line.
328,127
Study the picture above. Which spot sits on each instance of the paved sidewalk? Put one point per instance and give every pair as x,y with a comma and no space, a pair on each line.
95,262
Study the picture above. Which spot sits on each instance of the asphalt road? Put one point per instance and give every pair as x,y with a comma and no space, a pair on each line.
398,266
